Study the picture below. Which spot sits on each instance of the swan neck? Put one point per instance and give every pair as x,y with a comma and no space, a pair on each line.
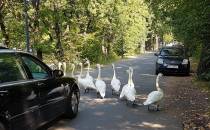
157,83
88,69
72,73
99,72
81,71
114,76
131,77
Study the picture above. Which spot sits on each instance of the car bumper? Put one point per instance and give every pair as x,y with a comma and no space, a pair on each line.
173,68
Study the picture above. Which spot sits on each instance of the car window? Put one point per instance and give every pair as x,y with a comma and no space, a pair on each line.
37,70
172,52
10,69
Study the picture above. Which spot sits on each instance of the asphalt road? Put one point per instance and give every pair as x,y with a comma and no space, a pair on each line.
112,113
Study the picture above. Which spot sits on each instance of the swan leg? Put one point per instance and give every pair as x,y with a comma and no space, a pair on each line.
148,108
127,102
112,92
98,95
134,103
85,91
158,107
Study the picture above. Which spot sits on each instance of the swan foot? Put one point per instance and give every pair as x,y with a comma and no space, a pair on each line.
98,95
86,90
158,107
154,107
112,92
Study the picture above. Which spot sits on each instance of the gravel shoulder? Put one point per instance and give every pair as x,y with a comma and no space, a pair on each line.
187,101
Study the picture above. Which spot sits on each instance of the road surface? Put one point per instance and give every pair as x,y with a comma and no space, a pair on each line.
112,113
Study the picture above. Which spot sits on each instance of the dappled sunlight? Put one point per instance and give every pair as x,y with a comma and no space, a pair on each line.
93,102
66,128
98,113
151,125
132,57
106,78
141,97
149,75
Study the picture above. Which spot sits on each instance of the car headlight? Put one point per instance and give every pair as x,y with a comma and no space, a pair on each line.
185,61
160,61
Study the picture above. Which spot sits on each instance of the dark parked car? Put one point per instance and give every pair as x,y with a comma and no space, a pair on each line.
31,94
172,60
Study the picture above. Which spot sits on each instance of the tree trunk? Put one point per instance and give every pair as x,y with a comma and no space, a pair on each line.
59,50
2,26
39,54
36,4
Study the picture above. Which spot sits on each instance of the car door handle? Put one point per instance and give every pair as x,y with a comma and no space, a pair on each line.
40,84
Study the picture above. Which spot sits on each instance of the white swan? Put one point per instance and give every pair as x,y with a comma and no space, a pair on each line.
62,66
115,83
100,84
128,90
155,96
81,81
89,79
72,72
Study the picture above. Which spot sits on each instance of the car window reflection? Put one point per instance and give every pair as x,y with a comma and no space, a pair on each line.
36,70
10,69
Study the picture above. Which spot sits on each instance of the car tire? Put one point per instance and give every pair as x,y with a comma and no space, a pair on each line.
156,72
2,127
72,104
187,73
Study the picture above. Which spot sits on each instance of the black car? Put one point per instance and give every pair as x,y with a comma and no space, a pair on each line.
31,94
172,60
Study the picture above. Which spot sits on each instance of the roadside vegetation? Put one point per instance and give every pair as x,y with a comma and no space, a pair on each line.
103,30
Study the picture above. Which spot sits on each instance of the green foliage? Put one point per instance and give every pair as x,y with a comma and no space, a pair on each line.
168,38
189,23
94,29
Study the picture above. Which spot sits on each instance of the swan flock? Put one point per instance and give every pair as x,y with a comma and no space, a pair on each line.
128,91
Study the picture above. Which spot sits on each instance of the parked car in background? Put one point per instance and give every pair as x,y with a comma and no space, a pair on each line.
31,94
172,59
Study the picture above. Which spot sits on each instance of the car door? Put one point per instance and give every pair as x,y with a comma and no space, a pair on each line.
18,95
50,89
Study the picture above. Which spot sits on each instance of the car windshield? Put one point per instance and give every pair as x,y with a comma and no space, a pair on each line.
172,52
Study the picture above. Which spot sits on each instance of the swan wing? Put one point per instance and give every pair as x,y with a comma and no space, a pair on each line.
115,83
101,87
131,93
153,97
89,82
122,94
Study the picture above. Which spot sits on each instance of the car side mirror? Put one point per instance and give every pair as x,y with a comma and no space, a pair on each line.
57,73
156,54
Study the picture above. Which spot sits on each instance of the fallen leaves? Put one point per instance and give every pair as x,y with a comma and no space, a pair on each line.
188,102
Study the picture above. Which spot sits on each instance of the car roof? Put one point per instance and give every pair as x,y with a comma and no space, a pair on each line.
173,47
7,50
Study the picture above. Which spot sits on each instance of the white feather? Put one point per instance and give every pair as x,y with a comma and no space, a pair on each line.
89,78
101,87
128,90
100,84
115,83
155,96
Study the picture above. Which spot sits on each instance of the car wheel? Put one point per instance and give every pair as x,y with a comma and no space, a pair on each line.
187,73
156,72
72,104
2,127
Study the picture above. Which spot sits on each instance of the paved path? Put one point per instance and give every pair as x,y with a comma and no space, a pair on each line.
113,114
